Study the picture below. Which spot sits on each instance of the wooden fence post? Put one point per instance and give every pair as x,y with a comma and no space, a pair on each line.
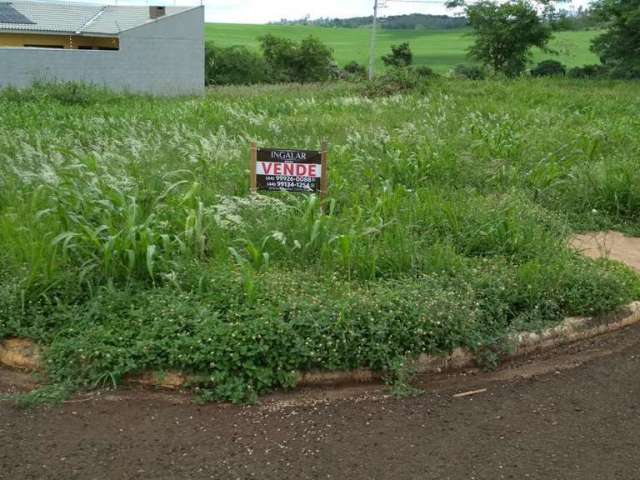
324,179
252,168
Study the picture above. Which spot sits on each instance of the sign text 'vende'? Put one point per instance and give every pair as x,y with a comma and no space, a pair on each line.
275,170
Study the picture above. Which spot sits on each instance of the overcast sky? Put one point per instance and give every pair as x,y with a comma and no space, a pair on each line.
258,11
262,11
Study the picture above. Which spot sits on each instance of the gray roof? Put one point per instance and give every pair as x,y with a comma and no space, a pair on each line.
79,18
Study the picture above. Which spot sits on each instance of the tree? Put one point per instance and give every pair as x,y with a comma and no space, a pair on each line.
315,61
619,46
505,33
400,56
233,66
289,61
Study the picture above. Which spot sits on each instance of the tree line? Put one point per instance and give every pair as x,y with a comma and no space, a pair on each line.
505,34
559,20
414,21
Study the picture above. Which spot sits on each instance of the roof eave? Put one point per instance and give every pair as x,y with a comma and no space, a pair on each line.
57,32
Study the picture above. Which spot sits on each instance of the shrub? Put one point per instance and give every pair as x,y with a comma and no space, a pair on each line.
355,69
400,56
425,72
289,61
233,66
394,81
549,68
588,71
470,72
625,71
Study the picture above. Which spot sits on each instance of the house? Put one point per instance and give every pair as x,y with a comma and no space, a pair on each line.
142,49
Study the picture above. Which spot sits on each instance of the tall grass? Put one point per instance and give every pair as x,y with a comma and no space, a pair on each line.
477,184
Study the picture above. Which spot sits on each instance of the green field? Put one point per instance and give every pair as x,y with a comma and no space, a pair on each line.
129,241
441,50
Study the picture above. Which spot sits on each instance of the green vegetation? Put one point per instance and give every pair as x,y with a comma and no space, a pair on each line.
289,61
441,50
400,56
506,33
281,60
414,21
619,47
128,240
233,66
549,68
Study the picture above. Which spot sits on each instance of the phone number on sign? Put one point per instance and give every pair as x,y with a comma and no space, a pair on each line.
298,185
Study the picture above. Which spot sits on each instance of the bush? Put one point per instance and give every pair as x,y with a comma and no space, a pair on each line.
304,62
425,72
355,69
470,72
233,66
392,82
588,71
282,61
624,70
400,56
549,68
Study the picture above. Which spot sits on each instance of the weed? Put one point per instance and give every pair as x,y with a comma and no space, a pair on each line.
129,243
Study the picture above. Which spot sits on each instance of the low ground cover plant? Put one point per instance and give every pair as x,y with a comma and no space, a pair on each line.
130,243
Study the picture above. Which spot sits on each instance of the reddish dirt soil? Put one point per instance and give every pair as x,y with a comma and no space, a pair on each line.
612,245
569,414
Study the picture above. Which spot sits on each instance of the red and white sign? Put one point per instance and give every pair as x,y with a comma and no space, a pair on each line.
311,170
277,170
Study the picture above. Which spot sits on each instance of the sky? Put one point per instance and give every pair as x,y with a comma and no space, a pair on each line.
263,11
260,11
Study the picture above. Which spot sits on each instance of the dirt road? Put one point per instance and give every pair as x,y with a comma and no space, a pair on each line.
572,414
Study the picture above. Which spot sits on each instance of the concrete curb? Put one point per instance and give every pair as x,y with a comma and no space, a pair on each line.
24,354
570,330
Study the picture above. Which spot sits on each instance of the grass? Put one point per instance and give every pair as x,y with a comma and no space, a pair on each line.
128,240
439,49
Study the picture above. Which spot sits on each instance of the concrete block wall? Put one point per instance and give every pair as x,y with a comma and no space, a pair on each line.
165,57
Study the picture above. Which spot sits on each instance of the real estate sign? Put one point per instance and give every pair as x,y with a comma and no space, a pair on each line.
282,170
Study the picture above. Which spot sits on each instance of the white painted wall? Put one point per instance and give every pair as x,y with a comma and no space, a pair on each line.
165,57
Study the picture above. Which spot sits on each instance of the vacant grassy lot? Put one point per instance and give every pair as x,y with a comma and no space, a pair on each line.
439,49
128,240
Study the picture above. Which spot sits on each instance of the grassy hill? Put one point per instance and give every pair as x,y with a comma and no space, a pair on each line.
440,49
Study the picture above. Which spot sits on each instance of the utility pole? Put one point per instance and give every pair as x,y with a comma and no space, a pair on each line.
372,51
